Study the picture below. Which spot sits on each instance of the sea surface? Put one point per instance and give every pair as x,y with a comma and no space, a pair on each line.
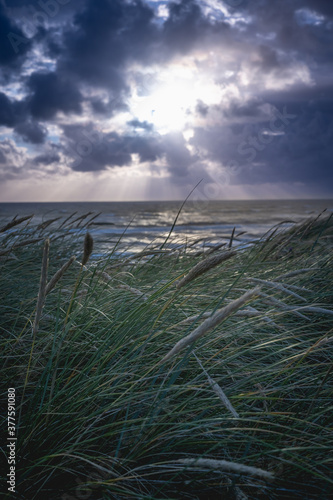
139,224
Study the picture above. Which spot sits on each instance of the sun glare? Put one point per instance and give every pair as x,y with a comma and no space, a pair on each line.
171,101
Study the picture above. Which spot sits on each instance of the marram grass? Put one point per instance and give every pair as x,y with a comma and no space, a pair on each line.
243,411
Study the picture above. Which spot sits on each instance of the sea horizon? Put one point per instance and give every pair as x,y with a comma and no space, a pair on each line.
180,200
141,223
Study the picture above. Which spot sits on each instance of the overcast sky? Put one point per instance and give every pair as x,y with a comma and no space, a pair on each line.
113,100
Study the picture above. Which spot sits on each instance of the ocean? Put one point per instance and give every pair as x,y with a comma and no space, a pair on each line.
144,223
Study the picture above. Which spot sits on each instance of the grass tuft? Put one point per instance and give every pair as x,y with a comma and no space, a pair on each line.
240,407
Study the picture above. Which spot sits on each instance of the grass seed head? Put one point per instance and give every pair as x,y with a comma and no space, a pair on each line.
88,248
204,266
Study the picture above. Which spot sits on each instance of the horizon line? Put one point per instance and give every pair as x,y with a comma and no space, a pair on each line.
180,200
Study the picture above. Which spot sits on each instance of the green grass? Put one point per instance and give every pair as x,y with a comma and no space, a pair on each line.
99,416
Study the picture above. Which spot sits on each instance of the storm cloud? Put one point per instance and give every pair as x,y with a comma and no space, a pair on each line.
172,88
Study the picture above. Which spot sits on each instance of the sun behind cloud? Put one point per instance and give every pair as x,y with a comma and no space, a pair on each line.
171,97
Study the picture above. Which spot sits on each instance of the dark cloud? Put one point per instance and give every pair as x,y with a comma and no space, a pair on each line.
3,158
32,132
185,26
148,148
323,6
269,58
143,125
53,8
12,113
50,94
110,107
280,18
90,150
10,173
13,43
293,144
248,109
202,108
177,155
117,32
7,111
107,35
47,159
90,57
11,160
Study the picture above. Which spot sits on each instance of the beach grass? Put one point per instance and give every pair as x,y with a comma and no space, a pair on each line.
140,377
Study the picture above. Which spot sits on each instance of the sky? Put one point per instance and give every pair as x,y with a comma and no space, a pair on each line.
120,100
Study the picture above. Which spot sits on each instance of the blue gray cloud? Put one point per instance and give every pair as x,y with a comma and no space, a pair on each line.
68,66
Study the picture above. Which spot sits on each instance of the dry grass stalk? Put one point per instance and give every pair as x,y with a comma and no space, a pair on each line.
278,286
239,494
325,341
216,248
263,394
91,220
296,287
307,225
204,266
199,253
226,466
106,277
247,313
145,253
81,218
10,256
58,275
66,220
265,318
47,223
135,291
191,319
49,317
21,244
15,222
218,391
232,237
27,242
319,310
279,239
211,250
195,242
282,305
42,286
296,273
213,321
88,248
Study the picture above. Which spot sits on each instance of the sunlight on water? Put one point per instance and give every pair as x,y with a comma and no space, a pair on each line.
145,223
